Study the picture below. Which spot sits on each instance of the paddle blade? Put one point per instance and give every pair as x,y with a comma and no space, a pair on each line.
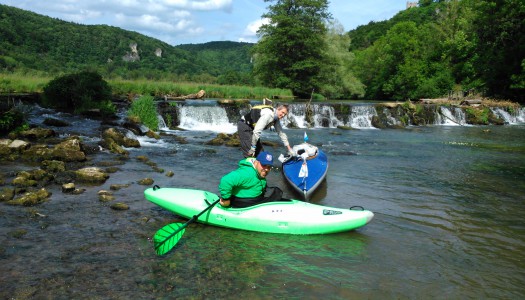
167,237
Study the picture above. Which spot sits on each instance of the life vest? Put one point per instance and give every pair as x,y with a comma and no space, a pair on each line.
254,115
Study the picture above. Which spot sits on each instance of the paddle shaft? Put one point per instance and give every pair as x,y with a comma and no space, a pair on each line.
193,219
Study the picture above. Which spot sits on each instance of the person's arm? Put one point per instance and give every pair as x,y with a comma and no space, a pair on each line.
226,186
282,135
225,189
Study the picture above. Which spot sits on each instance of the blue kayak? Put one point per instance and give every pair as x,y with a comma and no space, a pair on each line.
306,170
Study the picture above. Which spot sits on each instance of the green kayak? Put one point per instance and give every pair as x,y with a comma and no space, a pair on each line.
289,216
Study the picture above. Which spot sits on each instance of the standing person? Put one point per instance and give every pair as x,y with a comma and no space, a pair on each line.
246,186
251,125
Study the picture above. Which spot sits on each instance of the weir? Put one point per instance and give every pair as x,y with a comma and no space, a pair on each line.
212,115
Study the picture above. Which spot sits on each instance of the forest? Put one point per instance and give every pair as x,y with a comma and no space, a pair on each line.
428,51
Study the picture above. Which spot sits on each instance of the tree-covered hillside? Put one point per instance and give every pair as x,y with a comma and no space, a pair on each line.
32,42
365,35
230,62
441,46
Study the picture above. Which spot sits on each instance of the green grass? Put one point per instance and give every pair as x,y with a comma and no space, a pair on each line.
22,83
176,89
34,83
144,108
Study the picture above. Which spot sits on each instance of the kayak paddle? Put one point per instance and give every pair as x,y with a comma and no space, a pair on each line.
168,236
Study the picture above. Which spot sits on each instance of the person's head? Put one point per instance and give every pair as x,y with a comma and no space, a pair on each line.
263,163
281,111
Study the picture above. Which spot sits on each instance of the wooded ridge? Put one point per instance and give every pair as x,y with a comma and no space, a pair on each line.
433,50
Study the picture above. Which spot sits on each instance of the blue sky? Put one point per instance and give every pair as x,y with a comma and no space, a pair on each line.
196,21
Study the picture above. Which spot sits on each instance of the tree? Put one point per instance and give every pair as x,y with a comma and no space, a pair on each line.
458,41
405,64
500,31
340,82
291,51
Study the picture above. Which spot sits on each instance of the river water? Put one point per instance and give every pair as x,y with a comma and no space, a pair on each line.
448,204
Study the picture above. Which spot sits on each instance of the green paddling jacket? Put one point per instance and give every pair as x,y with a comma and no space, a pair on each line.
243,182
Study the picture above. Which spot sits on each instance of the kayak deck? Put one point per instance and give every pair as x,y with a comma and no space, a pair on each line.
317,169
288,217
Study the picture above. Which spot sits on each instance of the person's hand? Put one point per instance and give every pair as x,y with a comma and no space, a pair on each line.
251,152
290,151
224,203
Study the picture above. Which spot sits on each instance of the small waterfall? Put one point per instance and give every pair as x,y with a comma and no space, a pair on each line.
162,123
391,120
452,117
130,135
520,115
205,118
517,117
323,116
361,116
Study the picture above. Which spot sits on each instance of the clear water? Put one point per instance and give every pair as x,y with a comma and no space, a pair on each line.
448,204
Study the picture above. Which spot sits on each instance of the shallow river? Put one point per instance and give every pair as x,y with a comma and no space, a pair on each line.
448,204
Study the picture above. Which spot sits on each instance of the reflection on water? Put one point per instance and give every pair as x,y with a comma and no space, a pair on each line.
448,204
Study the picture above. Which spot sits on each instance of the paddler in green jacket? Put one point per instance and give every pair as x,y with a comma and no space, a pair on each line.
251,125
246,186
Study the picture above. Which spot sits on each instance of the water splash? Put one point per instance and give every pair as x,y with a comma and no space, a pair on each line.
361,116
162,124
518,116
453,116
205,118
391,120
323,117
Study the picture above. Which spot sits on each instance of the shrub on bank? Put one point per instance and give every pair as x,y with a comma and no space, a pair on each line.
79,92
11,120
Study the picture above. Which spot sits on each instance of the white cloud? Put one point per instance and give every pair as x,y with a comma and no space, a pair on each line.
251,29
205,5
154,24
194,21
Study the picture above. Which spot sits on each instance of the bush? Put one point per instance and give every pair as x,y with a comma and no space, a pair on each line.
145,109
79,92
10,120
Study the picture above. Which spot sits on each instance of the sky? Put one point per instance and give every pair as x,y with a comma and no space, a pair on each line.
196,21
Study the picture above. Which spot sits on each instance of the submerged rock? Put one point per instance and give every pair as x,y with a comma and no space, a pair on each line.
146,181
106,198
78,191
230,140
32,178
37,133
31,198
92,175
120,138
53,166
68,187
69,150
116,187
19,145
119,206
6,194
